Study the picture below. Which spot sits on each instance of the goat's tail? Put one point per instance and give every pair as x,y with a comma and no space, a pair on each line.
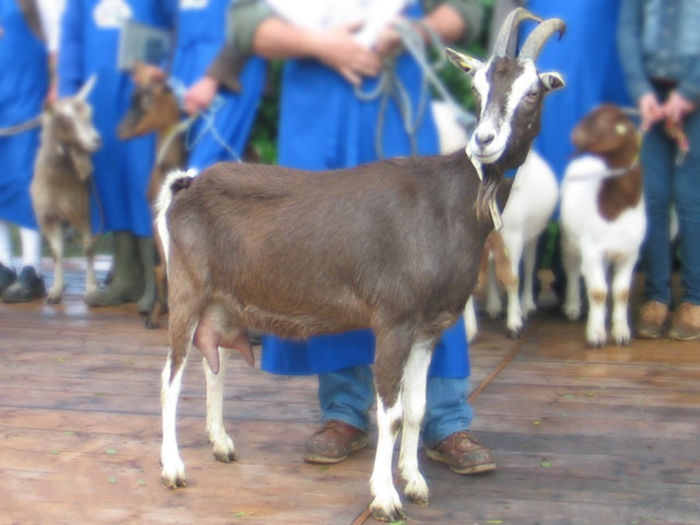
174,182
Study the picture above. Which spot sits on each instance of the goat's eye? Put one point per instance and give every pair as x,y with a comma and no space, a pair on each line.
533,93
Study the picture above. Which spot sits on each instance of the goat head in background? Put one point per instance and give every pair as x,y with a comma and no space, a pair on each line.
60,188
393,246
603,220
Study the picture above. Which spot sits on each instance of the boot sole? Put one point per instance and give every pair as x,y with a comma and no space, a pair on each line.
329,460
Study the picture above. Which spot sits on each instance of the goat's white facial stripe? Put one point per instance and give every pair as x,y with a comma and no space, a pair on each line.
497,123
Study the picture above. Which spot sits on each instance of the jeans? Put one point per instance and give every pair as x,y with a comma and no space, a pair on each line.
666,183
348,395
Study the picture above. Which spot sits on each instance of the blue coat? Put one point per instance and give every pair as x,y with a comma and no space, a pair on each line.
201,34
23,87
324,125
89,44
587,57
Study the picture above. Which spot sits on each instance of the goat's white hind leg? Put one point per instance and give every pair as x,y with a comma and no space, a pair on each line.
470,319
386,505
572,269
514,319
622,280
222,444
173,472
413,393
493,296
54,236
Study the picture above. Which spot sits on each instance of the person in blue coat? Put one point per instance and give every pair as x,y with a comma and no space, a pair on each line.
204,74
328,121
28,41
90,34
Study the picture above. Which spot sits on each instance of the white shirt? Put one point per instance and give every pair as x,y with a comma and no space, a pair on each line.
50,12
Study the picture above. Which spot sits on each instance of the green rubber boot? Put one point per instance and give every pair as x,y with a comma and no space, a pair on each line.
147,254
127,283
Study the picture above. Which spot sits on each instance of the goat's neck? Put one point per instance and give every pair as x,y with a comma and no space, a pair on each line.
623,191
623,157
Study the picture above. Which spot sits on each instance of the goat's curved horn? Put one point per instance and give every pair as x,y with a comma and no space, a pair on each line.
533,45
509,29
86,88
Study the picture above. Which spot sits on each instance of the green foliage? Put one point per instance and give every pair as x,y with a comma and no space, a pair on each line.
263,138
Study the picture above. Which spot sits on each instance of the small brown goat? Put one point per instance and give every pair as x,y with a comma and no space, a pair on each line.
60,188
154,108
603,220
393,246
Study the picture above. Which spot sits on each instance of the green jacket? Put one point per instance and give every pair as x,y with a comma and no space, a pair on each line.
245,16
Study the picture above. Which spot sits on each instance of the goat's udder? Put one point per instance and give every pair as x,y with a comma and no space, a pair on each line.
208,338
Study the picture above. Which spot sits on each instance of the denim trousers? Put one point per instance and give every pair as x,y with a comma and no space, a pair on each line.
667,183
348,395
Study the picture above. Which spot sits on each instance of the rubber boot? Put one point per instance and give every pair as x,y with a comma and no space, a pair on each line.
147,254
127,283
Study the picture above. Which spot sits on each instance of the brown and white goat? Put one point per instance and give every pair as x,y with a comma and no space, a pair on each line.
60,188
603,220
154,108
393,246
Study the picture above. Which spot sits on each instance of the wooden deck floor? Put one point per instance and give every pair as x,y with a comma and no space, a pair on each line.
579,436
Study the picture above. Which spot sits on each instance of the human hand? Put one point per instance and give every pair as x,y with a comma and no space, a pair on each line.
650,110
52,95
200,96
677,107
339,50
388,43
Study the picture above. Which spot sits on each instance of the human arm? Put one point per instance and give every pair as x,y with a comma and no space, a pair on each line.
70,67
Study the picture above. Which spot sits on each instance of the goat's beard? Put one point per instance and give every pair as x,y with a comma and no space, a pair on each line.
488,189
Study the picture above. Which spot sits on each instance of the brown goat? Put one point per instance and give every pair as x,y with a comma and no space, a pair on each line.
154,108
60,188
393,246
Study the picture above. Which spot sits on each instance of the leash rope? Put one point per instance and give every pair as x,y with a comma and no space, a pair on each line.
21,128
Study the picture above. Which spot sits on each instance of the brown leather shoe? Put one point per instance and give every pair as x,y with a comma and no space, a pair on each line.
463,454
333,442
686,323
652,318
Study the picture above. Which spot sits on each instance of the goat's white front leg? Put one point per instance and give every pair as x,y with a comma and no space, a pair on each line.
493,295
54,235
622,281
222,444
173,472
413,393
386,505
593,268
514,319
527,299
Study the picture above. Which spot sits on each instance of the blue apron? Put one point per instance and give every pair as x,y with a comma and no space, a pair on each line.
324,125
201,34
89,42
23,87
587,57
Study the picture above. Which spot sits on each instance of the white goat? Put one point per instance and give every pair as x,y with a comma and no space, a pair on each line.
603,220
532,201
393,246
60,188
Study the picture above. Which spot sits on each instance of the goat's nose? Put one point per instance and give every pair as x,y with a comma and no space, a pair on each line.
484,137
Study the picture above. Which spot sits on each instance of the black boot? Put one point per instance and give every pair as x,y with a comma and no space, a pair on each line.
28,287
7,277
127,284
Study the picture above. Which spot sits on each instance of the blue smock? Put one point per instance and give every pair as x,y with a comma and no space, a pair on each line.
23,87
201,35
587,58
324,125
89,43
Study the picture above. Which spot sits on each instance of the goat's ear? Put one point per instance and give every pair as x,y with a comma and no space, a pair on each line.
552,81
464,62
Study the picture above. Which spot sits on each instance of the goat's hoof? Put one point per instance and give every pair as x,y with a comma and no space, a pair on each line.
389,513
514,334
622,336
151,325
53,298
420,495
174,482
225,457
